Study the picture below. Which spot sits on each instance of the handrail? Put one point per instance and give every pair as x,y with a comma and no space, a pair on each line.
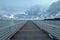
51,25
50,28
7,32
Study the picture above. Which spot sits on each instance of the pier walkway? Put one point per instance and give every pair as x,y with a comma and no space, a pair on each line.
30,32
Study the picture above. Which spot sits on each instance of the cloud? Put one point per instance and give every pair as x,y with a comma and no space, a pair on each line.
12,16
58,14
8,16
20,12
52,1
55,0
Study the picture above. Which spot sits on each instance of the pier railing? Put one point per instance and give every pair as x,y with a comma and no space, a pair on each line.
9,31
51,27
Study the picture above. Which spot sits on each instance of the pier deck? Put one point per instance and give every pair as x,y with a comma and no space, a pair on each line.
30,32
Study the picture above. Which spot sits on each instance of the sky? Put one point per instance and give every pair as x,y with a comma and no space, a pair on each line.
21,4
25,3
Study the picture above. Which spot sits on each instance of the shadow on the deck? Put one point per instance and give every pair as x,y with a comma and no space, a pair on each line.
30,32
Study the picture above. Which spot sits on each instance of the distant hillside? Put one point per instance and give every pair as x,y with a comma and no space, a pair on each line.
53,19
